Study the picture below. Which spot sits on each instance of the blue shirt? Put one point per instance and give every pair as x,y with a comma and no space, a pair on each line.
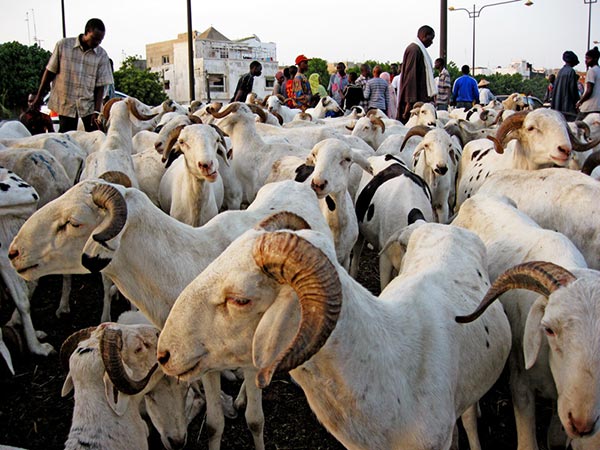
465,89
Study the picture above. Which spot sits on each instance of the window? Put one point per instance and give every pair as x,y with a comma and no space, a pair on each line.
269,82
167,85
165,59
216,82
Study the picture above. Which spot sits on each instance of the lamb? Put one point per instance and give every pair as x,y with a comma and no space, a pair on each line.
426,372
385,202
525,140
435,159
325,105
102,227
276,104
372,130
512,238
557,199
191,190
423,114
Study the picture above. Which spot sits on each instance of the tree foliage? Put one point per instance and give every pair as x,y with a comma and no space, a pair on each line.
142,84
318,65
30,62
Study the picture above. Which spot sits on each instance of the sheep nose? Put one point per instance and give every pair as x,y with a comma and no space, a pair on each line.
13,253
581,426
318,186
441,169
204,165
565,150
163,357
176,444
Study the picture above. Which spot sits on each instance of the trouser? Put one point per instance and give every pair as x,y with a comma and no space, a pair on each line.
70,123
466,105
442,107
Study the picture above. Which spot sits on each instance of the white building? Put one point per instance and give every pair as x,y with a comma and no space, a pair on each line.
218,64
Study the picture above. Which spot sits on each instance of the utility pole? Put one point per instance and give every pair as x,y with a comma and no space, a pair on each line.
28,32
190,51
444,29
62,8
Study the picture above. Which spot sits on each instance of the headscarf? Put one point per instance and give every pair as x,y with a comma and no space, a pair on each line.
315,86
570,58
386,77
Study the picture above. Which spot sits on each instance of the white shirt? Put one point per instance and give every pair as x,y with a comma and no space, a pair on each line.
592,104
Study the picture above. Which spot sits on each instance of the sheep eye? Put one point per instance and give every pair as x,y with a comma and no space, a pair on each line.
238,301
347,159
549,331
530,128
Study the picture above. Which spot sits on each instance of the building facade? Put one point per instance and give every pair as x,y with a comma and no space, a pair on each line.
218,64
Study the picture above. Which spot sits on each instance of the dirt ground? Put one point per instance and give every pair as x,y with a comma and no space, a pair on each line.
33,415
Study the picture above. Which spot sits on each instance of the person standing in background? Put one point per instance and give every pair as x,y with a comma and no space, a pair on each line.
316,89
337,83
549,89
465,92
301,86
377,93
391,110
417,84
246,81
279,81
565,87
79,70
485,95
365,76
444,85
590,100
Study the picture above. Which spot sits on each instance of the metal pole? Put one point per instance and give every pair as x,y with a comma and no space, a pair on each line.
473,63
190,51
589,26
444,29
62,8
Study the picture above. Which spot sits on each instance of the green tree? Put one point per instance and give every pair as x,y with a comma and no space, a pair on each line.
318,65
30,62
142,84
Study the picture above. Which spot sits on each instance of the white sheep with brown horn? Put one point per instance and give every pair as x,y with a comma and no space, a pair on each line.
279,302
512,238
118,231
373,130
277,104
526,140
423,114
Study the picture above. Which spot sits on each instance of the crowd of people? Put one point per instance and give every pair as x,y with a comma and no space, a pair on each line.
75,96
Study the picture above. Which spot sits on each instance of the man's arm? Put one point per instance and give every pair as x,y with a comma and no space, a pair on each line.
47,78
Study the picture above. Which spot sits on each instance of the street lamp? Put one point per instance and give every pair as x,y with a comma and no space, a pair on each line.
475,13
589,2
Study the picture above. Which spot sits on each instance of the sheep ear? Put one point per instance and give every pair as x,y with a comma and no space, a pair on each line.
117,401
276,329
67,386
222,151
363,162
532,338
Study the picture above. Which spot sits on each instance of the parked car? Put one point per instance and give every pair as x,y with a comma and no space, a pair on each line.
54,115
534,102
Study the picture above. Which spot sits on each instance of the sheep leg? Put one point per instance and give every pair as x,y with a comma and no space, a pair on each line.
524,408
17,289
356,252
215,421
385,270
6,354
255,418
64,307
469,420
241,400
106,299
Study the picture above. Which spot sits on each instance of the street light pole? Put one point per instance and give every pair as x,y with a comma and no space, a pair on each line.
62,7
589,2
475,13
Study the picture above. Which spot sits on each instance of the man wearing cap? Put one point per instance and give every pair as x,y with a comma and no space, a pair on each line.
246,81
566,94
485,95
301,86
279,80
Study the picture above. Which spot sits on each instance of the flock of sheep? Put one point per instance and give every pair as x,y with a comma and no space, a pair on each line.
236,233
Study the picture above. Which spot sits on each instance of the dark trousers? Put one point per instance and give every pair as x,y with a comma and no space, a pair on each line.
70,123
466,105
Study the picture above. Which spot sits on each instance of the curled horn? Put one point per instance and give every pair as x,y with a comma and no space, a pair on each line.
419,130
511,124
283,220
305,116
102,120
371,112
351,127
132,106
498,119
194,119
583,126
281,99
116,177
232,107
537,276
258,110
290,259
579,146
70,344
376,120
111,345
171,140
265,100
416,108
108,197
168,106
278,116
591,162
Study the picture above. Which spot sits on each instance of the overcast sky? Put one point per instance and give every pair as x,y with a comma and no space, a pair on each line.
329,30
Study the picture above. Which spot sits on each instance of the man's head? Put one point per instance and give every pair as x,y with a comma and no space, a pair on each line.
551,78
365,70
279,76
394,69
591,57
439,63
352,77
255,69
465,70
302,63
426,35
293,71
570,58
377,71
341,68
93,33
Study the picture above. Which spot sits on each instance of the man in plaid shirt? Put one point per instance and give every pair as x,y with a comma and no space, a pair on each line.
444,85
79,70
